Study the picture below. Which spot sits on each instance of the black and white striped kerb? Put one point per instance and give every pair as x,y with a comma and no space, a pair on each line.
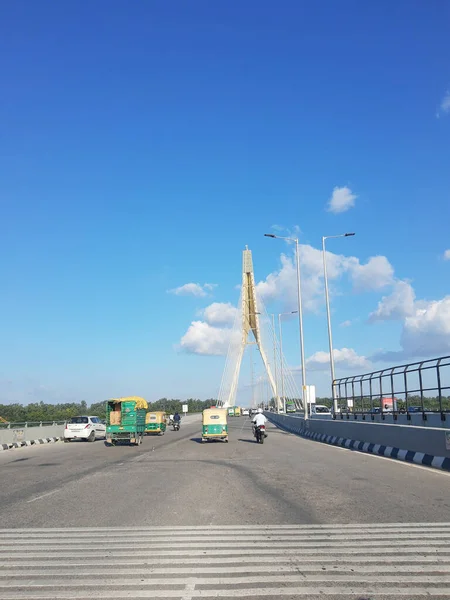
49,440
419,458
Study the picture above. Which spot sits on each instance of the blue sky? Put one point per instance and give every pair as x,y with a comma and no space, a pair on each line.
144,144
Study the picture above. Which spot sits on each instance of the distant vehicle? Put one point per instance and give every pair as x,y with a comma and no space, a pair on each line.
245,412
290,406
376,410
320,409
414,409
84,428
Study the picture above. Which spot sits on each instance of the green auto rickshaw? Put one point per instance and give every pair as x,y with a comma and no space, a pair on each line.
156,422
215,426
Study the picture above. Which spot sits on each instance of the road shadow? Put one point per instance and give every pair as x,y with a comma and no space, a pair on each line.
247,440
210,441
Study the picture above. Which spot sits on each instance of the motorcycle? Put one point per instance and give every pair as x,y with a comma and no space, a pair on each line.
176,425
260,434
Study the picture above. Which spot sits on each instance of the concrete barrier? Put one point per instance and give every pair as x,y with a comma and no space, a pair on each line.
395,441
17,435
22,436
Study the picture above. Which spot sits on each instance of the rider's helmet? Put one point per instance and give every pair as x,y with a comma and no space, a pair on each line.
260,410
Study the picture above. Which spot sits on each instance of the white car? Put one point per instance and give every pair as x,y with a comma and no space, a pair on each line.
245,412
84,428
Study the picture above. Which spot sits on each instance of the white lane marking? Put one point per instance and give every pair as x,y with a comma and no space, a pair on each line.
322,577
422,574
293,592
404,463
433,561
291,540
52,533
317,549
335,537
44,495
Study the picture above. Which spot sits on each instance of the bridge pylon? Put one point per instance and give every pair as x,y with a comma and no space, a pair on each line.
250,324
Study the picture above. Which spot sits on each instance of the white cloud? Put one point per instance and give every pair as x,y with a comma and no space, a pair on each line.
202,338
220,313
342,199
398,305
427,331
376,274
345,324
346,358
447,255
193,289
426,327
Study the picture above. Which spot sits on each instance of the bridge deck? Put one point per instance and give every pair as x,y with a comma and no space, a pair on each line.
178,519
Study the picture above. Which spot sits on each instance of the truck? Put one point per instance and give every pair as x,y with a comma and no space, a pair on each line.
125,420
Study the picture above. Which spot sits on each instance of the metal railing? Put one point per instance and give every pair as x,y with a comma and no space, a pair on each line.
421,387
26,424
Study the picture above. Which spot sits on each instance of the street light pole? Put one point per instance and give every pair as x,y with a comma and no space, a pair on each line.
327,302
300,323
275,361
300,315
281,356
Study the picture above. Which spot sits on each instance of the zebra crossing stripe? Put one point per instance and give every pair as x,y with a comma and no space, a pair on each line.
295,561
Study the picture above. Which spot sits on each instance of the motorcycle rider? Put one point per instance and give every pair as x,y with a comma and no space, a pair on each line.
258,420
176,419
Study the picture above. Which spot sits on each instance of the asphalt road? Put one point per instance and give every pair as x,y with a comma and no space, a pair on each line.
308,519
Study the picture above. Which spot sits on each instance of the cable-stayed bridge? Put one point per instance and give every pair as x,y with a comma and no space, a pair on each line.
253,326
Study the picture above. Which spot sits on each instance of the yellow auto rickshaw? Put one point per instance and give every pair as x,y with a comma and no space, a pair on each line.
215,426
155,422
